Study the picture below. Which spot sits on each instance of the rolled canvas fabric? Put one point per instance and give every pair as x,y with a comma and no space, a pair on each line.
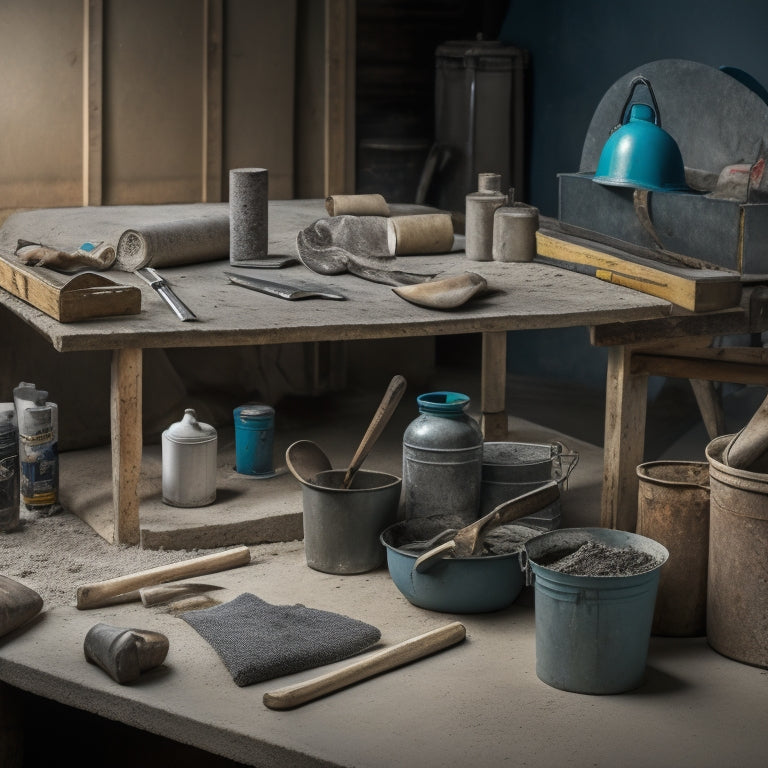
142,235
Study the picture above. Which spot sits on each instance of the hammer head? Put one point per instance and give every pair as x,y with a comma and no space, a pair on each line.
124,653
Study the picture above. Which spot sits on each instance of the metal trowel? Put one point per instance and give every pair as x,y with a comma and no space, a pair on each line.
468,540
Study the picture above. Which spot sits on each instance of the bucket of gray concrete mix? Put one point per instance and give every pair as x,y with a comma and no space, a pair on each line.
594,596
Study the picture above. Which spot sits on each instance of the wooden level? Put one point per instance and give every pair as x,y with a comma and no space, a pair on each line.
698,290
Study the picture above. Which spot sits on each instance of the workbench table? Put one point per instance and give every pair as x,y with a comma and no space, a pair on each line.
523,296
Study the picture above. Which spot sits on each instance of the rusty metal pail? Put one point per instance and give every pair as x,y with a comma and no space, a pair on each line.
673,509
737,590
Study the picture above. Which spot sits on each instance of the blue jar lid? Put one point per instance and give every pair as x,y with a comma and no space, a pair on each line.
446,403
255,412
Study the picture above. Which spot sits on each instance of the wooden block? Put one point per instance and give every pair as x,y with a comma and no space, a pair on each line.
68,298
698,290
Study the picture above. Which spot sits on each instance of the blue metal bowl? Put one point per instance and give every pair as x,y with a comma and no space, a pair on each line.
454,584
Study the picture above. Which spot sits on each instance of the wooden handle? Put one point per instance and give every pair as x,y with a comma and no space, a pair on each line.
380,420
409,650
101,593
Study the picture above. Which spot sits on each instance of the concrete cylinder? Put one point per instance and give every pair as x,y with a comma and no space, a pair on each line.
248,214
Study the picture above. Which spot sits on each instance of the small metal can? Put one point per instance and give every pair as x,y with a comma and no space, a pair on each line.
189,453
254,439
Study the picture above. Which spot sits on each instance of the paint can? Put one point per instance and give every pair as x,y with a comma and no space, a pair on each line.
189,451
254,439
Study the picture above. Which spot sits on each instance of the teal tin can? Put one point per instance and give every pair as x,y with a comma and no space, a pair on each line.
254,439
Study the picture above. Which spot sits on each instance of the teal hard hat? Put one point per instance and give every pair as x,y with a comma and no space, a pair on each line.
640,153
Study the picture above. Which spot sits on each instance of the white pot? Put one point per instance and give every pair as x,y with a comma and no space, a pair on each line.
189,449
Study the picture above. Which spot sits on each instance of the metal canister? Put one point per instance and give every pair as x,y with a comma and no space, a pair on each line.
189,451
39,454
9,468
254,439
442,459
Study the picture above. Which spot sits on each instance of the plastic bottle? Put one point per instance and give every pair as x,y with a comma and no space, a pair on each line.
442,459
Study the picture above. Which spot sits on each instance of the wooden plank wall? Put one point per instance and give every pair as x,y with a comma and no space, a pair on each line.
152,101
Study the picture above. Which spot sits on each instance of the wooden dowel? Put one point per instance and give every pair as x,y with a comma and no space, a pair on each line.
409,650
102,593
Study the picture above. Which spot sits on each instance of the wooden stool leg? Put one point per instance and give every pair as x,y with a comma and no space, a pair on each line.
493,386
625,410
710,405
126,443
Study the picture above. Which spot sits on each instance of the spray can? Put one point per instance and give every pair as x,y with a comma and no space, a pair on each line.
39,452
9,468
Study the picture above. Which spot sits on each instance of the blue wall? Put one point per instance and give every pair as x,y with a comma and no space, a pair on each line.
578,49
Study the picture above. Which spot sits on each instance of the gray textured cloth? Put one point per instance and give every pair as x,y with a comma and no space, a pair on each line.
329,245
259,641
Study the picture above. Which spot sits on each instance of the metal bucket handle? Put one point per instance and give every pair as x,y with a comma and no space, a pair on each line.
525,566
623,117
560,452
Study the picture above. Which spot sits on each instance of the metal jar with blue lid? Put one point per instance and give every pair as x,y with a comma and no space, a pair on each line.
442,459
254,439
189,449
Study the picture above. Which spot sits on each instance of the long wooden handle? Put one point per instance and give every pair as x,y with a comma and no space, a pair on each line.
380,419
102,593
409,650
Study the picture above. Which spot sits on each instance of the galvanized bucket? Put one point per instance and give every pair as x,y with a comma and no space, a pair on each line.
737,582
673,509
592,632
511,469
342,525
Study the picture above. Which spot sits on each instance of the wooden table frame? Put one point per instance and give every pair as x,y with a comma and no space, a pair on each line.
523,297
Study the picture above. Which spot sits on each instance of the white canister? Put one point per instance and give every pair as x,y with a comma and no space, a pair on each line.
189,462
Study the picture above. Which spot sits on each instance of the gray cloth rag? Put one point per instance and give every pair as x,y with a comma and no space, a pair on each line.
259,641
329,245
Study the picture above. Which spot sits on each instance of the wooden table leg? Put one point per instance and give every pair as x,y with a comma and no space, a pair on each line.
125,415
625,411
493,386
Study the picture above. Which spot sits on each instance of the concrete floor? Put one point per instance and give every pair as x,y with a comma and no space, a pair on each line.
478,703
